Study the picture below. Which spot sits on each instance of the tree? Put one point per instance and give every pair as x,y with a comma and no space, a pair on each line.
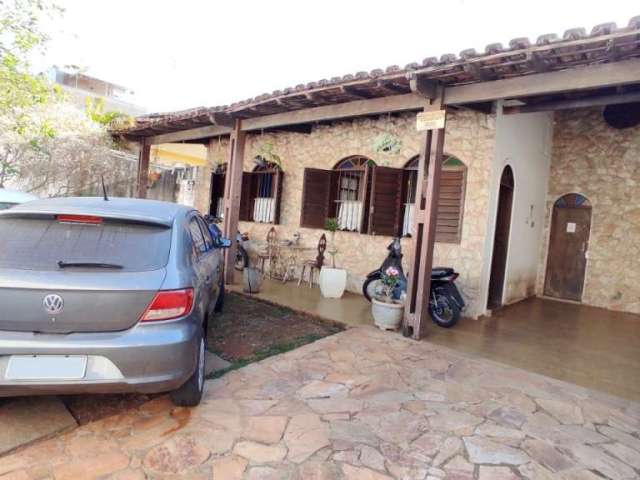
21,36
48,145
69,162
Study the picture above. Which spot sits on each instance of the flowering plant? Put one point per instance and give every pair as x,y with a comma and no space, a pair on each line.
390,280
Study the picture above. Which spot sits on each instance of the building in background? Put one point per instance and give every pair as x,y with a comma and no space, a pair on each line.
79,86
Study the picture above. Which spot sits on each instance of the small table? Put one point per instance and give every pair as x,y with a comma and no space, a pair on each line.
287,259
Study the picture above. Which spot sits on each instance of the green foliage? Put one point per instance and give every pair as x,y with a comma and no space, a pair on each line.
266,153
94,108
331,225
20,36
276,349
387,143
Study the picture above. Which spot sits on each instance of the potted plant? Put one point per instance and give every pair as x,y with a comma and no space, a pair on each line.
387,312
387,143
333,281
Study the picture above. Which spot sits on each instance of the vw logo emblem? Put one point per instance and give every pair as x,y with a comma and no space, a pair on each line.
53,304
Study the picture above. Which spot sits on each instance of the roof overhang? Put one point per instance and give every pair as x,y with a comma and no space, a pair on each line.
577,64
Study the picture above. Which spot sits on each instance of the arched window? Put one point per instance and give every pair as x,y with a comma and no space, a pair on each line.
451,200
351,192
341,193
265,179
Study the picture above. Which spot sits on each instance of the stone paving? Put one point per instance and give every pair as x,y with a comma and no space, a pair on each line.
359,405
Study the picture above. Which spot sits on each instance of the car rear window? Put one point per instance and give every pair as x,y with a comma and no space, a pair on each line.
39,244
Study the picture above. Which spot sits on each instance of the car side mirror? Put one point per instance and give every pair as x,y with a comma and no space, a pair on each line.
224,243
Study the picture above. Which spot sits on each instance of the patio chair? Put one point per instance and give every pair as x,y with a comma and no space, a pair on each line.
269,256
316,264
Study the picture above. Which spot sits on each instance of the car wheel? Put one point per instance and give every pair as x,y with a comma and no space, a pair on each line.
190,394
220,301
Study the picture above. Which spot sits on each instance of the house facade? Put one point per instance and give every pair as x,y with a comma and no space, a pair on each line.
540,164
550,154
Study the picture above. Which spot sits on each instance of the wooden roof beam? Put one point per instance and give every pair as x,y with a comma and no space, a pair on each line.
191,134
357,108
354,92
576,79
537,63
478,73
569,104
390,87
422,86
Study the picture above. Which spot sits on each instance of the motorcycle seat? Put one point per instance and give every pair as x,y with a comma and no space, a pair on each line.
439,272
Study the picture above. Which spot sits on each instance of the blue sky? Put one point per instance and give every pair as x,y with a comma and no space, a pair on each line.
182,54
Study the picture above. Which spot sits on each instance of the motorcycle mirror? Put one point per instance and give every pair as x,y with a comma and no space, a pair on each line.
224,243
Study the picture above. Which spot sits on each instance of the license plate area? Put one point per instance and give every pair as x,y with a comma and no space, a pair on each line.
46,367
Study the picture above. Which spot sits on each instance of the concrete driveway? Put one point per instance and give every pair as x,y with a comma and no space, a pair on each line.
362,405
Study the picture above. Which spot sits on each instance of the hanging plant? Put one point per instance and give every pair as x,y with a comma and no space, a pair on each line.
387,143
266,154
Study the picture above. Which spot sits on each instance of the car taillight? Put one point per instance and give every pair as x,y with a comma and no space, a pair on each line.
168,305
91,219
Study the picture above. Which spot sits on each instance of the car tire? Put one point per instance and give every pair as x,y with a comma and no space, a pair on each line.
220,300
190,394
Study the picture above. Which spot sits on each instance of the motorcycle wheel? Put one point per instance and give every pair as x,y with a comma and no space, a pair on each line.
370,286
242,259
444,313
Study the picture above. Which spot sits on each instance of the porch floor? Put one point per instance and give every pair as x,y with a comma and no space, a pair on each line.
352,309
588,346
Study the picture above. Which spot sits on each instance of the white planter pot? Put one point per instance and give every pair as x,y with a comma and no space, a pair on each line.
387,316
332,281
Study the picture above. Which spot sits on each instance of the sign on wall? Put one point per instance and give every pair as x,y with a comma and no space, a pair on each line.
430,120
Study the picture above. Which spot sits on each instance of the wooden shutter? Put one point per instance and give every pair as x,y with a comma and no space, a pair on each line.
450,205
277,194
247,195
217,191
316,197
385,211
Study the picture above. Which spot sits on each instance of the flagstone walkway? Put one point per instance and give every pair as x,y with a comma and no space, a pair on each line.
359,405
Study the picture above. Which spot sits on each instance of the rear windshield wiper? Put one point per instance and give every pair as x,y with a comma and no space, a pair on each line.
115,266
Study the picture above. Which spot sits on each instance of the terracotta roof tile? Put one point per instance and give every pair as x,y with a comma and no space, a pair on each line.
573,49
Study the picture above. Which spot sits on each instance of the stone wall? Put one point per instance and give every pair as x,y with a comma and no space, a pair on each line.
602,164
470,137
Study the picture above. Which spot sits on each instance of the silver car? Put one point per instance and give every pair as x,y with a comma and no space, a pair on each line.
106,296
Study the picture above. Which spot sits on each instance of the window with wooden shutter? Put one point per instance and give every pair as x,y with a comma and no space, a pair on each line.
261,194
246,196
316,197
385,211
216,204
451,199
352,179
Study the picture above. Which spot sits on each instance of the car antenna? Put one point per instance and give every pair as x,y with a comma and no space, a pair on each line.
104,189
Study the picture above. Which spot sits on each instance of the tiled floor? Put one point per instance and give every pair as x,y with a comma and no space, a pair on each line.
352,309
359,405
588,346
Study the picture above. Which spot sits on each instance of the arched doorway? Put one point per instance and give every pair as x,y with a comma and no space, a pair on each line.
501,240
568,243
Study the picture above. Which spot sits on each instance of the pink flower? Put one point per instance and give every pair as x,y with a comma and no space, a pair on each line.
392,272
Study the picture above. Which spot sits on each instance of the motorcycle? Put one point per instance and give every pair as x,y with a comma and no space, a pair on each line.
242,257
445,301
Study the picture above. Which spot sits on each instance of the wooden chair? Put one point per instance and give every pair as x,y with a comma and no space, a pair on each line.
270,255
313,265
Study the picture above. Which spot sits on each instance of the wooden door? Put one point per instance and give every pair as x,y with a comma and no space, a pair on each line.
501,240
568,244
